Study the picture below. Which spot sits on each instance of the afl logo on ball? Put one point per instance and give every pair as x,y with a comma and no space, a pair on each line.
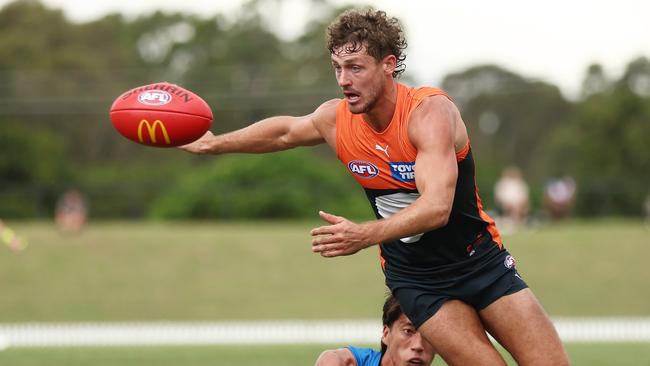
154,97
509,262
363,169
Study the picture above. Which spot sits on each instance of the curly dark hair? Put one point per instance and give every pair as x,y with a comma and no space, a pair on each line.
382,35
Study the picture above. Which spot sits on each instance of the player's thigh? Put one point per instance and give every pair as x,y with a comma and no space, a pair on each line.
518,322
457,335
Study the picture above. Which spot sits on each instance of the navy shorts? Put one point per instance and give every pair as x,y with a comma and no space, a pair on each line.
478,281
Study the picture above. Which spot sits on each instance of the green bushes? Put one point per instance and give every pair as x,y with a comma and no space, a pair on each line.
31,162
292,184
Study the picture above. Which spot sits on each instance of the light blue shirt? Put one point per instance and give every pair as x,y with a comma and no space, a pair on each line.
366,356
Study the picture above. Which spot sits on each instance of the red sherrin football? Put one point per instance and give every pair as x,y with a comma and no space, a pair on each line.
161,114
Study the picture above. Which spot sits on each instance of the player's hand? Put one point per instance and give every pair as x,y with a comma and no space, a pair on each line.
201,146
341,237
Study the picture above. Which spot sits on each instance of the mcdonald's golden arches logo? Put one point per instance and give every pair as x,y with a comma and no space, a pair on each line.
151,128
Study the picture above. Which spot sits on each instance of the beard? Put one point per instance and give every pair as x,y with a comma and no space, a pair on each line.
373,98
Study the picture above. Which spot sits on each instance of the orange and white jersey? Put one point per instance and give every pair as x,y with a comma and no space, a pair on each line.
383,163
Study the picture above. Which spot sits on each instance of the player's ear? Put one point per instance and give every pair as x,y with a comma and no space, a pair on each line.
384,334
389,63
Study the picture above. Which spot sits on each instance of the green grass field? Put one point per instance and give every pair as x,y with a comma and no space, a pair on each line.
133,271
265,270
587,354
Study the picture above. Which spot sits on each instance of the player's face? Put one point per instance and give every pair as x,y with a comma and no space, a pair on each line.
405,345
360,77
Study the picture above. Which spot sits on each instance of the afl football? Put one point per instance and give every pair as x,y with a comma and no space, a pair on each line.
161,115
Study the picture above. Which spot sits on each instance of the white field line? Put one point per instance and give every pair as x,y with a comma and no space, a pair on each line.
272,332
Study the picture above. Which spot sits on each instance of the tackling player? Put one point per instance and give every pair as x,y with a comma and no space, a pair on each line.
401,344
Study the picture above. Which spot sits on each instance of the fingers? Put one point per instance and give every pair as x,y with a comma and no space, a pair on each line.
330,250
326,243
326,239
323,230
333,253
332,219
329,240
200,145
322,248
191,147
329,229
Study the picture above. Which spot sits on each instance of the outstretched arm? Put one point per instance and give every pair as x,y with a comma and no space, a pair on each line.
432,131
268,135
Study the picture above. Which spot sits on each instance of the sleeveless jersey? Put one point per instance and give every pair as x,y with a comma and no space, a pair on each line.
384,164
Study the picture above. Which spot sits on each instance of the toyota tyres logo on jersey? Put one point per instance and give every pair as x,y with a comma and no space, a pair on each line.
363,169
154,97
402,171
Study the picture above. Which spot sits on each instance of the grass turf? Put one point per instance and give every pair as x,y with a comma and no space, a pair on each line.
265,270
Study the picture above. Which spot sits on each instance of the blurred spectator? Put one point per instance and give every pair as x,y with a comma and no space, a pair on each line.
559,197
71,211
512,197
11,240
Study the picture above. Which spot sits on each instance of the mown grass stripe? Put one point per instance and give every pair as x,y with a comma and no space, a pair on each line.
272,332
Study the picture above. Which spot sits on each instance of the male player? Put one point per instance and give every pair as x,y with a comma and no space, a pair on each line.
401,344
442,256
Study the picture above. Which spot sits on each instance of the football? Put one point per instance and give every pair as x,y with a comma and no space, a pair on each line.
161,114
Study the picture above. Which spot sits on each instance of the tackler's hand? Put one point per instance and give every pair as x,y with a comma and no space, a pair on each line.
341,237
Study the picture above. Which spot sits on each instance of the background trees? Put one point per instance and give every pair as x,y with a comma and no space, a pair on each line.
58,79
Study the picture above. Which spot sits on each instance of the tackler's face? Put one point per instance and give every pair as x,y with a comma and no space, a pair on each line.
405,345
360,76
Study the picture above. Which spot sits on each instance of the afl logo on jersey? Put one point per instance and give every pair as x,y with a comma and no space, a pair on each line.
363,169
509,262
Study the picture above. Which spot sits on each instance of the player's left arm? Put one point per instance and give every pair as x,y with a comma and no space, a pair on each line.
432,131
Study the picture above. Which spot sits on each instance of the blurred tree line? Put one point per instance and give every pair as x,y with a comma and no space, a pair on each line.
58,79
